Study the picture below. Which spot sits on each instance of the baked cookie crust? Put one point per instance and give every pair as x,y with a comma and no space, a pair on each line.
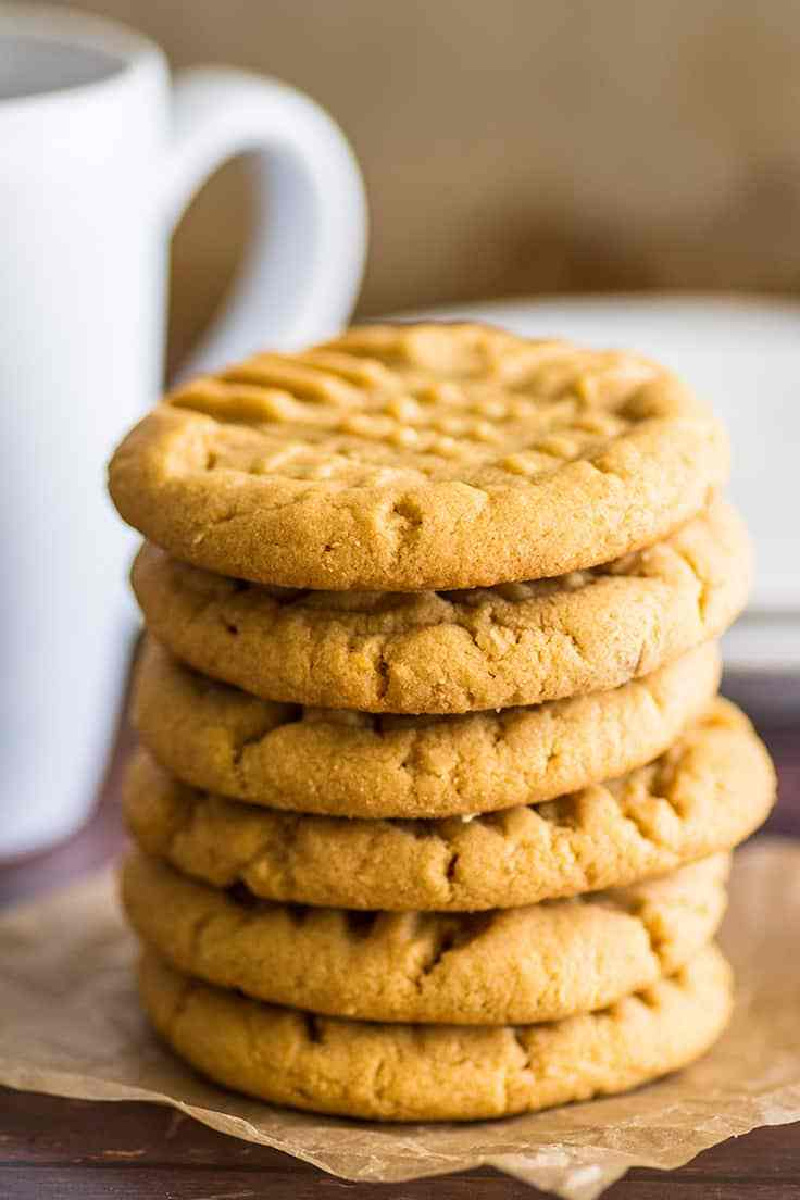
223,740
707,793
515,966
437,1073
429,456
454,652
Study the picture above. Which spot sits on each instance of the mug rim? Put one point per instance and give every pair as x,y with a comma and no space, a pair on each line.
49,23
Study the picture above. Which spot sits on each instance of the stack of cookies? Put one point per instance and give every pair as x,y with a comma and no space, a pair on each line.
434,799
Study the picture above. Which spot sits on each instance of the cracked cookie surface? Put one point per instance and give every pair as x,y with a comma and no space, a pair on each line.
515,966
437,1073
705,794
407,457
453,652
283,756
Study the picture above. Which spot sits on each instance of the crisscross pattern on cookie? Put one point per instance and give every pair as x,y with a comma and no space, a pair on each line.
394,405
420,456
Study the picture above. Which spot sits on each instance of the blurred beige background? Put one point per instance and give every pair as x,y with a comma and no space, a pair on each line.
522,146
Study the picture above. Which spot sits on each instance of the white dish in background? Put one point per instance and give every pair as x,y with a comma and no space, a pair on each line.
743,355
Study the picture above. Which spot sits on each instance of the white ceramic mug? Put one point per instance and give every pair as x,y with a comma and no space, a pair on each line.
99,156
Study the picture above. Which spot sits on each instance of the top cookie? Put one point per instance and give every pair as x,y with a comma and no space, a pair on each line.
419,456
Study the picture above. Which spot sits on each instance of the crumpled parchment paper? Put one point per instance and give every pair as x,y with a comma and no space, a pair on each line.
70,1026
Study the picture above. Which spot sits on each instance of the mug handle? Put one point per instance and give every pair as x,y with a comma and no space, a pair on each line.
303,268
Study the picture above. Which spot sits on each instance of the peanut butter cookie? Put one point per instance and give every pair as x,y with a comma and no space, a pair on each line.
705,794
351,764
454,652
514,966
440,1072
430,456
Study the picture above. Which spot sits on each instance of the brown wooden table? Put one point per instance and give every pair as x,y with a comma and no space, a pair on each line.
54,1149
